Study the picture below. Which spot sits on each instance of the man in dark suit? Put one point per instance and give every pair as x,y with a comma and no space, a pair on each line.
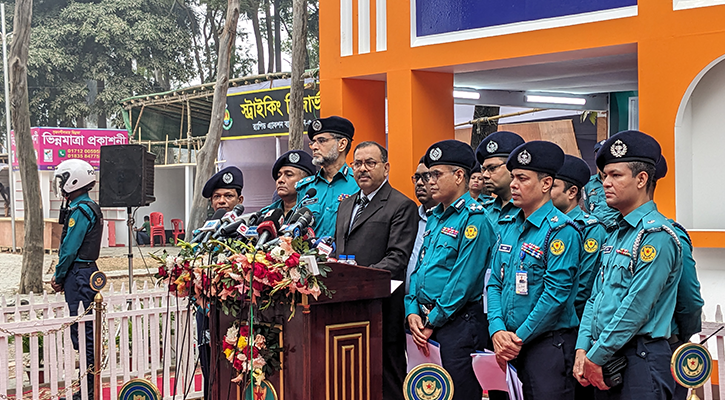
378,225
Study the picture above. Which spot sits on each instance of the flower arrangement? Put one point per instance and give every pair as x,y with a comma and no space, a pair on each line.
263,351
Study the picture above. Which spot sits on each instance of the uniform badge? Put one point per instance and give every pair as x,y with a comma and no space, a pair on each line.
426,233
316,125
471,232
71,223
227,178
591,245
504,248
591,207
294,158
557,247
648,253
449,232
524,158
618,149
607,249
532,250
624,252
342,197
554,219
491,146
422,254
435,153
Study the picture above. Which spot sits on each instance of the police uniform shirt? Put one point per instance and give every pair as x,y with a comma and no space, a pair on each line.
594,234
636,288
534,274
595,202
78,226
497,210
451,264
329,195
687,319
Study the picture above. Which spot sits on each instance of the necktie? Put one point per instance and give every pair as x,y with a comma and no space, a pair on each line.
361,202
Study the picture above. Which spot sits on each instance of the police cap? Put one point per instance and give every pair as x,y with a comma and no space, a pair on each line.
450,152
294,158
228,178
334,124
537,155
575,170
628,146
597,146
476,168
661,168
498,144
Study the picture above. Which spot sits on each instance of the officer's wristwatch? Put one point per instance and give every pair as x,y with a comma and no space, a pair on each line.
427,324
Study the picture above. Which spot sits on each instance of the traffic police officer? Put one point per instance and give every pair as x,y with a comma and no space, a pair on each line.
629,314
534,278
80,245
444,303
289,169
331,140
686,320
565,194
492,153
595,202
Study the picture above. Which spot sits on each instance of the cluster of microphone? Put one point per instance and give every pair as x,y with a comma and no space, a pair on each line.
258,228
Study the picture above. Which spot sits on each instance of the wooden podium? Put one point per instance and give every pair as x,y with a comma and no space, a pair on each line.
332,346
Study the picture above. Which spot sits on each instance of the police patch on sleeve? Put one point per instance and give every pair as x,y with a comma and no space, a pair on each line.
557,247
647,253
71,223
471,232
591,245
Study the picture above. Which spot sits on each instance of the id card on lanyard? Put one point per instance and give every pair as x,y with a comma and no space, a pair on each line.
522,277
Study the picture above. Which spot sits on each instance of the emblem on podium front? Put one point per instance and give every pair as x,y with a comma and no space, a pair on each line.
691,365
139,389
428,382
98,281
263,391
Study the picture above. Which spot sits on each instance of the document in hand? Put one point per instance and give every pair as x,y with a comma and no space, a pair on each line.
416,356
491,377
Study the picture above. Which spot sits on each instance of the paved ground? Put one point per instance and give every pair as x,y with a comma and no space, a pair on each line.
113,261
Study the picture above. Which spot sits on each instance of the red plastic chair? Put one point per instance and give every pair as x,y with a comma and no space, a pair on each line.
178,229
157,227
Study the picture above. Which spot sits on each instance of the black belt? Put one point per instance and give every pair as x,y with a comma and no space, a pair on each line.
674,339
431,306
85,264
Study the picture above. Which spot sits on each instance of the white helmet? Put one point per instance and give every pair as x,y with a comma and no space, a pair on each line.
71,175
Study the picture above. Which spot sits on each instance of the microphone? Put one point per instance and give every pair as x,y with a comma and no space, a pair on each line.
229,218
299,221
312,192
252,218
210,226
267,229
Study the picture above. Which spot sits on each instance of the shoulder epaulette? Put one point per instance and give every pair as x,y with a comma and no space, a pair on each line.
459,204
304,181
489,202
650,227
475,207
506,219
682,228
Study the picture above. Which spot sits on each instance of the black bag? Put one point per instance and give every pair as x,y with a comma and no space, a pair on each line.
613,371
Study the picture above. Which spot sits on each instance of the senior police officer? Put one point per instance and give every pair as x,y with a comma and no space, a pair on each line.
289,169
627,318
80,245
444,302
534,278
595,203
686,320
331,140
492,153
565,194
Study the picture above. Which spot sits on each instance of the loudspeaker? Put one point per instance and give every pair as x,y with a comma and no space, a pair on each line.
126,176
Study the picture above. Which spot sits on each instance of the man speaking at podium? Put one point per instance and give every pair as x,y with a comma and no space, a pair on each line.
378,225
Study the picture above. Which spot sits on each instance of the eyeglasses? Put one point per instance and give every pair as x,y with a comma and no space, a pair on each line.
321,140
434,175
369,164
491,168
425,176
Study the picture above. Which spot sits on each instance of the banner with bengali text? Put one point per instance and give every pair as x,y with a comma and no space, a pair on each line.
55,145
265,112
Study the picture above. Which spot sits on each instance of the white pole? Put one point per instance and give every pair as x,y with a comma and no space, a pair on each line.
7,126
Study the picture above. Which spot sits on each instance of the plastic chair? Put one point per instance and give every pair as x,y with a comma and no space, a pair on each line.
157,227
178,229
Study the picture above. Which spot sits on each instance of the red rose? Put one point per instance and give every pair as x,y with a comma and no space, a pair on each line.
258,286
172,287
244,331
260,270
269,258
162,272
274,278
237,364
293,260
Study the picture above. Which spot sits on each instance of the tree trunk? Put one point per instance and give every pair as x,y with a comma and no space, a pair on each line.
32,268
277,38
206,155
299,45
481,130
254,15
270,36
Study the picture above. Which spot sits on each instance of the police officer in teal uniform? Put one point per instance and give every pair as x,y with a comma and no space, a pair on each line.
628,316
444,303
534,277
565,194
686,321
290,168
595,202
493,153
80,245
331,140
476,186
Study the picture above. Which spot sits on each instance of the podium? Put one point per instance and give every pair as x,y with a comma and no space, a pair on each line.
332,346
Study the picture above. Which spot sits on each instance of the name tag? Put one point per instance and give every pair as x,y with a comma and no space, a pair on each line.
505,248
522,283
310,201
607,249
